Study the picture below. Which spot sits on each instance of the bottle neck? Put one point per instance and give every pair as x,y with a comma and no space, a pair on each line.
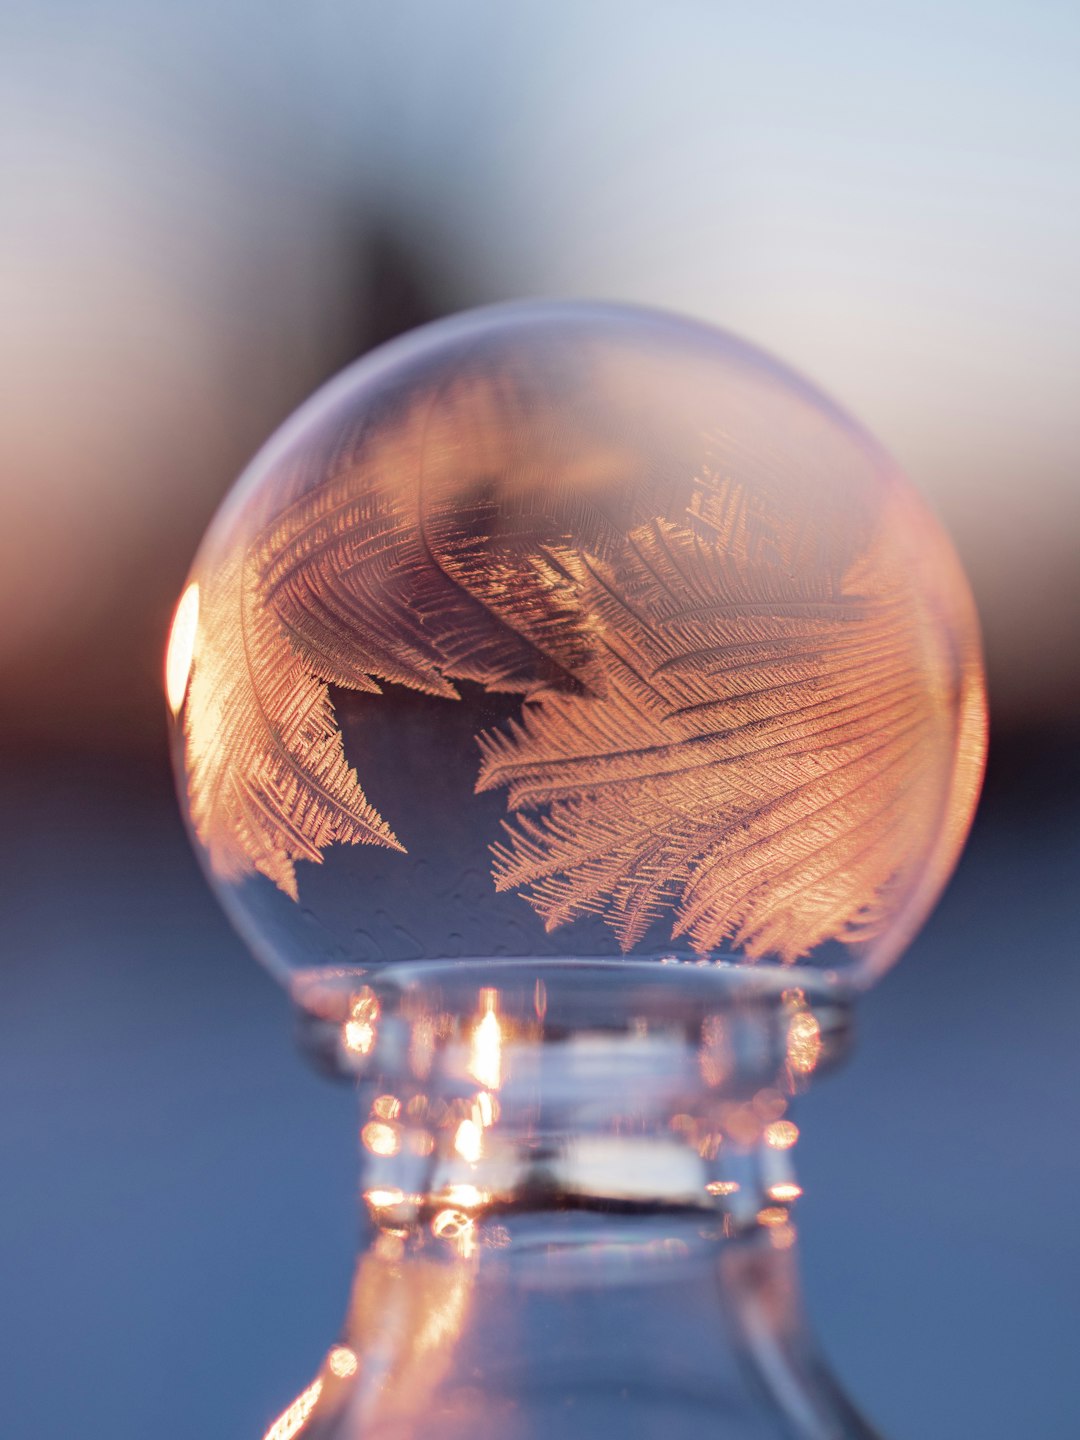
578,1180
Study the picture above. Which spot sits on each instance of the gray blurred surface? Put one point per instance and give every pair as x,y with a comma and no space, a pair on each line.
178,1205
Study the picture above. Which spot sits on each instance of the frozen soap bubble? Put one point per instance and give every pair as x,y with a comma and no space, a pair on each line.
566,630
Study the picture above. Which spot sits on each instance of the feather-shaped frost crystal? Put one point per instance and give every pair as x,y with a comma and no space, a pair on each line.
576,630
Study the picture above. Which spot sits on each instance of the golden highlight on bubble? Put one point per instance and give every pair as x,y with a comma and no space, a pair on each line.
180,651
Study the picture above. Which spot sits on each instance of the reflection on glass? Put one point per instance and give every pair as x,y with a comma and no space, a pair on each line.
803,1042
360,1029
781,1134
468,1141
341,1362
293,1420
381,1138
485,1063
786,1190
181,647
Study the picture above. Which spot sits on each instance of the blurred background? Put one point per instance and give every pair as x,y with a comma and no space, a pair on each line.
206,210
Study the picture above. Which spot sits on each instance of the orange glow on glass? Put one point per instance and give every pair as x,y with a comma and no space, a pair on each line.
181,648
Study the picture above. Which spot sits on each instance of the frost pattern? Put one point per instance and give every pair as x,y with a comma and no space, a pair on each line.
724,716
268,783
749,764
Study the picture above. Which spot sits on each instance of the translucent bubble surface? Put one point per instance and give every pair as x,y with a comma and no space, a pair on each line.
571,630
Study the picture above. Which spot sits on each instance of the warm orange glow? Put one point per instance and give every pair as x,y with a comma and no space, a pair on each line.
389,1246
469,1141
485,1058
785,1190
803,1042
295,1417
360,1029
380,1138
709,1146
341,1362
468,1196
386,1107
449,1224
540,999
421,1142
742,1123
782,1237
358,1037
382,1198
181,647
769,1103
781,1134
772,1215
722,1187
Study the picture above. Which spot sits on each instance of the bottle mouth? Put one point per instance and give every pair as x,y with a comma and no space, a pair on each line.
670,1003
506,1092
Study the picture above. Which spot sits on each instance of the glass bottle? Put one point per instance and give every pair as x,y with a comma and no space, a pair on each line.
575,710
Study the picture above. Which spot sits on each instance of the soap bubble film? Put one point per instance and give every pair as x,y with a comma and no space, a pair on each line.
568,630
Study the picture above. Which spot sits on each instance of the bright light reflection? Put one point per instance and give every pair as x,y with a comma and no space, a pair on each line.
467,1195
781,1134
803,1042
485,1059
772,1215
469,1141
384,1198
387,1107
341,1362
450,1224
290,1422
722,1187
380,1138
181,647
785,1190
360,1029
